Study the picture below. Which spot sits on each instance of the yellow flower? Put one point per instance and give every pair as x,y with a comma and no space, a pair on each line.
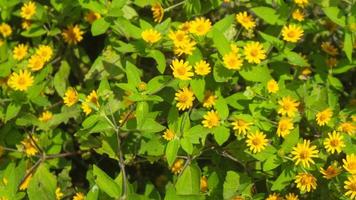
20,51
203,184
70,97
79,196
73,34
46,116
350,186
151,36
232,61
25,183
179,38
169,135
347,127
334,142
36,62
177,166
331,62
185,26
298,15
245,20
200,26
254,52
330,172
211,119
142,86
301,3
29,146
59,194
181,69
45,52
305,182
291,196
209,99
274,196
324,116
202,68
304,153
186,48
185,98
26,24
256,141
157,12
292,33
330,49
350,163
28,10
288,106
92,16
20,81
285,125
5,30
91,99
240,126
272,86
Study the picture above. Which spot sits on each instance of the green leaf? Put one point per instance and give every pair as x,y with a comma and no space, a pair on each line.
93,193
100,26
335,82
272,162
198,87
34,31
222,108
221,134
220,42
221,73
171,151
187,145
224,24
295,58
335,15
189,182
231,184
274,41
159,58
106,183
133,74
12,110
268,14
61,78
256,73
283,179
151,126
42,185
290,140
348,46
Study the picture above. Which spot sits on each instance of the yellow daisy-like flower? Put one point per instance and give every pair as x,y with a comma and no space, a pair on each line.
298,15
181,69
20,81
29,147
285,125
274,196
303,153
200,26
291,196
20,51
92,16
25,24
211,119
70,97
272,86
93,99
232,61
331,62
169,135
179,37
151,36
350,186
59,194
177,166
245,20
79,196
330,172
202,68
45,52
36,62
240,126
203,184
28,10
330,49
305,182
347,127
334,142
209,99
301,3
5,30
323,117
187,48
256,141
292,33
45,116
157,12
73,34
350,163
185,98
288,106
254,52
24,184
185,26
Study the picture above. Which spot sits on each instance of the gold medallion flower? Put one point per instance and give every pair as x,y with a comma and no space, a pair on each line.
330,49
29,146
20,51
304,153
181,69
298,15
350,186
25,24
245,20
330,172
305,182
292,33
73,34
291,196
209,99
285,125
272,86
211,119
288,106
184,98
323,117
202,68
70,97
347,127
24,184
232,61
36,62
20,81
334,143
45,116
151,36
186,48
92,16
91,100
256,142
5,30
79,196
350,163
200,26
28,10
254,52
301,3
179,38
45,52
274,196
241,126
168,134
157,12
177,166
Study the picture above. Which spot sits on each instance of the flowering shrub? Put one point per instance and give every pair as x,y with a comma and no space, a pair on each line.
148,99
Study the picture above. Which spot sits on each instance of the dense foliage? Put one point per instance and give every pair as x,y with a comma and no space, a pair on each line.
149,99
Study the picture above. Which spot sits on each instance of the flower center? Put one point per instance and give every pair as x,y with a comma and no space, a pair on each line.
256,141
291,34
304,154
21,81
334,143
181,71
353,186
